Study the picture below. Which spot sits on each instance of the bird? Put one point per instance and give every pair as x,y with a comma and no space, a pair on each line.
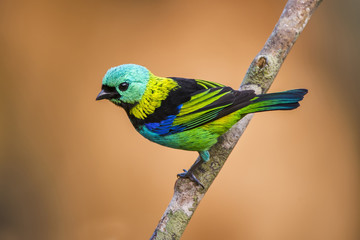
185,113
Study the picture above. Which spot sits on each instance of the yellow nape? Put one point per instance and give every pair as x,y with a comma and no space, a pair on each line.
157,90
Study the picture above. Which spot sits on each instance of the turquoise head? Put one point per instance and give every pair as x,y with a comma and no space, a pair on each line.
124,84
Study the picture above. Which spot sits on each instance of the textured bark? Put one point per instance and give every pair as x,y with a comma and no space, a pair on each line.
259,77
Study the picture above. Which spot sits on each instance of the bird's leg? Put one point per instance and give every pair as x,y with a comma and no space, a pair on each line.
204,157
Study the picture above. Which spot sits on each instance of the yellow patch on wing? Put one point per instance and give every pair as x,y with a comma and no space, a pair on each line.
192,119
156,91
198,101
208,84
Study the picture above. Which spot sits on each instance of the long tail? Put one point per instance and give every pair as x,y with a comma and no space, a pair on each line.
275,101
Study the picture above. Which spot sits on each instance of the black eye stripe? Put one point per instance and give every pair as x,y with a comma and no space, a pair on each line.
108,89
123,86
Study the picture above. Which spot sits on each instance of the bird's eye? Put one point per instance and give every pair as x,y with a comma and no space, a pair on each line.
123,86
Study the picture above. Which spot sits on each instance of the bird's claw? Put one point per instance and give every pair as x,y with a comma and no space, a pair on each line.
189,174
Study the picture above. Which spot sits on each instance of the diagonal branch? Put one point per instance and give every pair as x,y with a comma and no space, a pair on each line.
259,77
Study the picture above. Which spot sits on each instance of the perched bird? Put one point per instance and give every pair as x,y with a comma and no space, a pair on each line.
182,113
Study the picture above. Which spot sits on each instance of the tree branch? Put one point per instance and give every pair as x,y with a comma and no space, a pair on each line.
259,77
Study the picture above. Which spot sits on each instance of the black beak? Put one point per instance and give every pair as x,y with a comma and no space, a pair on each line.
107,95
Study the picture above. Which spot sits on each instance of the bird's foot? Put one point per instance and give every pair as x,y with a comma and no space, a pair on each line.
190,175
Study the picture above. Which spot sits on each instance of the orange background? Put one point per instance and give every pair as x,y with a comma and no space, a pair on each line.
72,168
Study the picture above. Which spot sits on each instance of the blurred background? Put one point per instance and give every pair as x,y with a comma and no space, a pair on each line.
72,168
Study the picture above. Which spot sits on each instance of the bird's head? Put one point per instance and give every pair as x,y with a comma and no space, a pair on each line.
124,84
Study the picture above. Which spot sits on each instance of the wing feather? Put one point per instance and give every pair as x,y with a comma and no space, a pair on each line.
212,102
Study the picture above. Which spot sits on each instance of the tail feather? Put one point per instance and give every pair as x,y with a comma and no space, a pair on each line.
275,101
